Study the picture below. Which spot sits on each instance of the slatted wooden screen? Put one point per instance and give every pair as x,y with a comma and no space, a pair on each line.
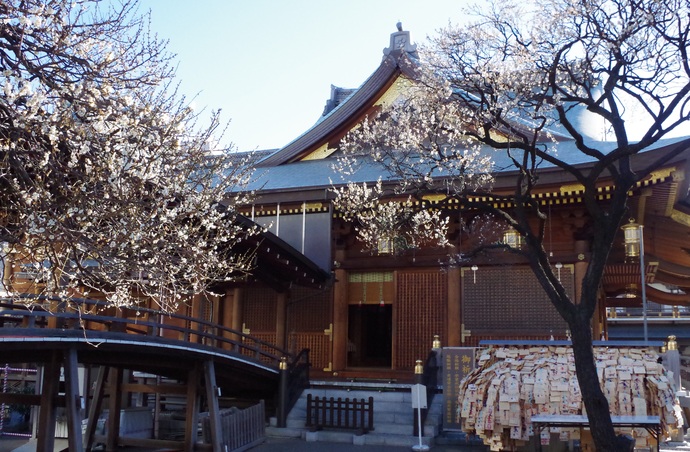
319,346
508,301
370,288
259,310
309,315
269,338
420,312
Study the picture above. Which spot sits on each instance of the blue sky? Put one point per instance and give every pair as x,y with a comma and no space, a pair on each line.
269,64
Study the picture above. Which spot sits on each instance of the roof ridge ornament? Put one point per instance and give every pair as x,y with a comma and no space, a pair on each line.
400,42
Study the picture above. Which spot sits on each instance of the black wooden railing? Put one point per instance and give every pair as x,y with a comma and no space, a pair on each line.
35,315
352,414
91,317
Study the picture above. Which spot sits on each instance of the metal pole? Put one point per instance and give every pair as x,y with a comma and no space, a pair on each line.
644,284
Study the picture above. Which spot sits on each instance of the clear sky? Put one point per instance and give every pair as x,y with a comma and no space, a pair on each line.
269,64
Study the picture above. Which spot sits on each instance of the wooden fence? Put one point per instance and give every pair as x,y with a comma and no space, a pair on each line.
351,414
241,429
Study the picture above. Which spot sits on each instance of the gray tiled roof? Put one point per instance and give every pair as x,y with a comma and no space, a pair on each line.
313,174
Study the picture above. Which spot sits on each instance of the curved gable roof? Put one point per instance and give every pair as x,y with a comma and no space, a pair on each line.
345,115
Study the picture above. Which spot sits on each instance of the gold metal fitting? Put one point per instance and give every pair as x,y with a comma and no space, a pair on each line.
283,363
672,344
418,368
437,341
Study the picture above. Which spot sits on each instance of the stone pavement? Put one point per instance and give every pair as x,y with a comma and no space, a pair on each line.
298,445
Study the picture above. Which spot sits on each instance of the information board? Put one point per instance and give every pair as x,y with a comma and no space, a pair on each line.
457,362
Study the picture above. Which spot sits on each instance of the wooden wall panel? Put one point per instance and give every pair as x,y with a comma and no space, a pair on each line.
420,311
309,310
309,316
259,310
509,301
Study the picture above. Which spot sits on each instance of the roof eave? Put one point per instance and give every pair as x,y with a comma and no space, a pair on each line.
346,113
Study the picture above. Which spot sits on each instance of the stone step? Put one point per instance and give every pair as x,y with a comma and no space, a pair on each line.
401,417
393,429
379,439
371,438
393,419
399,397
284,432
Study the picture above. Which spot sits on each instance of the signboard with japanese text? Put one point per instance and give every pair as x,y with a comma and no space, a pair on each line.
457,362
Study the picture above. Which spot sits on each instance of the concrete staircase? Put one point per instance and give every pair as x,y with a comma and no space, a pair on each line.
393,415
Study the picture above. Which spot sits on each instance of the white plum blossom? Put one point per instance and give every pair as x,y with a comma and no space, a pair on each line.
103,172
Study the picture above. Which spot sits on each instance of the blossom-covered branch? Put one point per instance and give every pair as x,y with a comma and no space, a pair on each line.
105,179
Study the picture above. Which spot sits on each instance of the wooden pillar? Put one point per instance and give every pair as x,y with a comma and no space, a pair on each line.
454,308
48,414
197,313
580,268
213,409
227,315
281,320
192,418
340,308
73,401
95,407
114,406
237,308
581,248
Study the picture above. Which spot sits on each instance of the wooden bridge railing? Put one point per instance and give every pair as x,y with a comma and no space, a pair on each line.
91,317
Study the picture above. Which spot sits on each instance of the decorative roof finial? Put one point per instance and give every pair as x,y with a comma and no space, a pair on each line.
400,43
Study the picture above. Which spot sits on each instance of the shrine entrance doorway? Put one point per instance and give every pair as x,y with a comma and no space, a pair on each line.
370,335
370,319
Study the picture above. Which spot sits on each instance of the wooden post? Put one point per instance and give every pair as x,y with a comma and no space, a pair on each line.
213,409
190,428
454,307
227,315
72,401
283,393
340,308
47,414
237,309
281,320
114,406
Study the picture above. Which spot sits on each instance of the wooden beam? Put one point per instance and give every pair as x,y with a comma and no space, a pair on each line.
9,398
95,407
72,401
48,414
164,388
142,442
212,401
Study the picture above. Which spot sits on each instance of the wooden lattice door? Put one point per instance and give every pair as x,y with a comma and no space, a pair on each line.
420,313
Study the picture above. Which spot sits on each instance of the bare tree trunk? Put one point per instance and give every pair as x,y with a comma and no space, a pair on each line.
596,404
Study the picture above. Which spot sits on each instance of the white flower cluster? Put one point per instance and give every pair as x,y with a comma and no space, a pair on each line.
103,172
380,218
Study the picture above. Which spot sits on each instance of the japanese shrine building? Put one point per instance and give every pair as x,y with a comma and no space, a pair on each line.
381,311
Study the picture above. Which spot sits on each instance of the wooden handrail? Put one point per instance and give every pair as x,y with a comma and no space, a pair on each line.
76,314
